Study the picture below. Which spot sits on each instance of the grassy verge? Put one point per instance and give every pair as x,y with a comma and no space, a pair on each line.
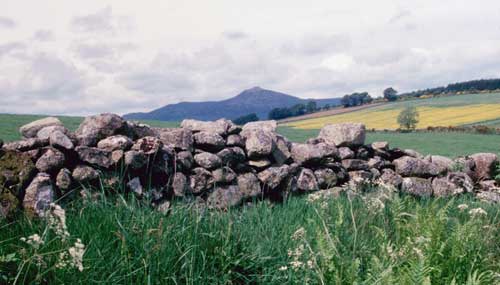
447,144
326,241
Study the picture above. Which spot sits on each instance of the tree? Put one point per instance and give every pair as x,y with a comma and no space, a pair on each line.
311,107
246,119
408,118
390,94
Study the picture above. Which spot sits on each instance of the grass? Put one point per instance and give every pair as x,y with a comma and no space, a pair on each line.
328,241
443,111
447,144
10,124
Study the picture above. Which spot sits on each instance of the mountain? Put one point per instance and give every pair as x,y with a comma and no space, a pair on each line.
254,100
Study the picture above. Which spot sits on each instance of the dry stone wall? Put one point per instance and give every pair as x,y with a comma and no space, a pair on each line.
219,164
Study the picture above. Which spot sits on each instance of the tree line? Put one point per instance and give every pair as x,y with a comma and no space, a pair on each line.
466,86
295,110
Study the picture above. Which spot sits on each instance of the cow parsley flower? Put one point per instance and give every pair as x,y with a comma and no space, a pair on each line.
462,207
476,212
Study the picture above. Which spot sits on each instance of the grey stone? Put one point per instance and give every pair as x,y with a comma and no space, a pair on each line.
273,176
307,181
259,143
30,130
235,140
118,142
346,134
135,159
355,164
208,141
51,160
345,153
178,138
83,173
58,139
199,180
417,186
95,128
135,186
485,165
249,185
207,160
45,132
63,179
326,178
223,175
179,184
307,154
94,156
39,195
224,197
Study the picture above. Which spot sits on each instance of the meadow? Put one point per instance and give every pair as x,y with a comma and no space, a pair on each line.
440,111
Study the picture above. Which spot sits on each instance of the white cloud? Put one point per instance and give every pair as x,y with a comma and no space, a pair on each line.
123,56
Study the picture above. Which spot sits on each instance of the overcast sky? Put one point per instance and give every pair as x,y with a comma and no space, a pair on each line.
84,57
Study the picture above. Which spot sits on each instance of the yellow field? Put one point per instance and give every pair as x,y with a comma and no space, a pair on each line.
384,118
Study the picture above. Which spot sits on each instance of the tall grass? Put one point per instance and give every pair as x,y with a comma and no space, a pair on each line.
326,240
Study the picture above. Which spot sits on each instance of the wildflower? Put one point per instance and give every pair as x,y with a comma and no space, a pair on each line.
422,240
34,240
310,263
462,207
76,252
299,234
477,212
57,221
283,268
296,264
418,252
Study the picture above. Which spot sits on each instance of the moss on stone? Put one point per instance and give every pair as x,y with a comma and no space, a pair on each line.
16,172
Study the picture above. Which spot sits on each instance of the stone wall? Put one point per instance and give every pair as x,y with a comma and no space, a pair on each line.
219,164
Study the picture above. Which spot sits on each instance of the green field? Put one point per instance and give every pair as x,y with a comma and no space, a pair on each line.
447,144
9,124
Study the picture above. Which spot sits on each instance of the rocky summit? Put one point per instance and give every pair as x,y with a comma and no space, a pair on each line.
219,164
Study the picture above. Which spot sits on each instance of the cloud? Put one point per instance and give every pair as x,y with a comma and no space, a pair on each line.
99,21
7,23
11,47
399,16
317,44
235,35
43,36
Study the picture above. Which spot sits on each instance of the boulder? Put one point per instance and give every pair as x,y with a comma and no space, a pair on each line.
137,130
39,195
378,163
359,176
326,178
249,185
491,197
281,153
412,153
273,176
410,166
232,156
345,153
224,197
135,159
307,181
380,145
346,134
135,186
94,156
454,183
8,204
235,140
199,180
178,138
148,145
259,143
309,154
354,164
489,185
52,160
44,133
84,174
443,163
179,184
208,141
390,178
184,161
417,186
266,126
219,127
30,130
117,156
98,127
259,164
485,165
63,179
224,175
16,172
207,160
60,140
112,143
26,144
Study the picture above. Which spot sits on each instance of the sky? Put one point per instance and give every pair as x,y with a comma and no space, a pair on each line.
65,57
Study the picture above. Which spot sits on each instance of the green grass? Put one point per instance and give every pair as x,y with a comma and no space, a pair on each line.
448,101
447,144
10,124
346,241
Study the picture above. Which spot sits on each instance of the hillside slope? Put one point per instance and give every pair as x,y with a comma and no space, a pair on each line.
254,100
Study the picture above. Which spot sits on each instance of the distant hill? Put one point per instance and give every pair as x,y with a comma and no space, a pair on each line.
254,100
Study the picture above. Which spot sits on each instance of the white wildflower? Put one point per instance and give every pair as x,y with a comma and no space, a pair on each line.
283,268
34,240
477,212
462,207
296,264
299,234
76,252
310,264
57,221
418,252
422,240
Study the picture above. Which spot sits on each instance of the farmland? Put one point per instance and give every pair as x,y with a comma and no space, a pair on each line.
441,111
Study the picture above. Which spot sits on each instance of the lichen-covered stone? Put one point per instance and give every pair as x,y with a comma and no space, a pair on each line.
30,130
39,195
16,172
98,127
52,160
345,134
112,143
